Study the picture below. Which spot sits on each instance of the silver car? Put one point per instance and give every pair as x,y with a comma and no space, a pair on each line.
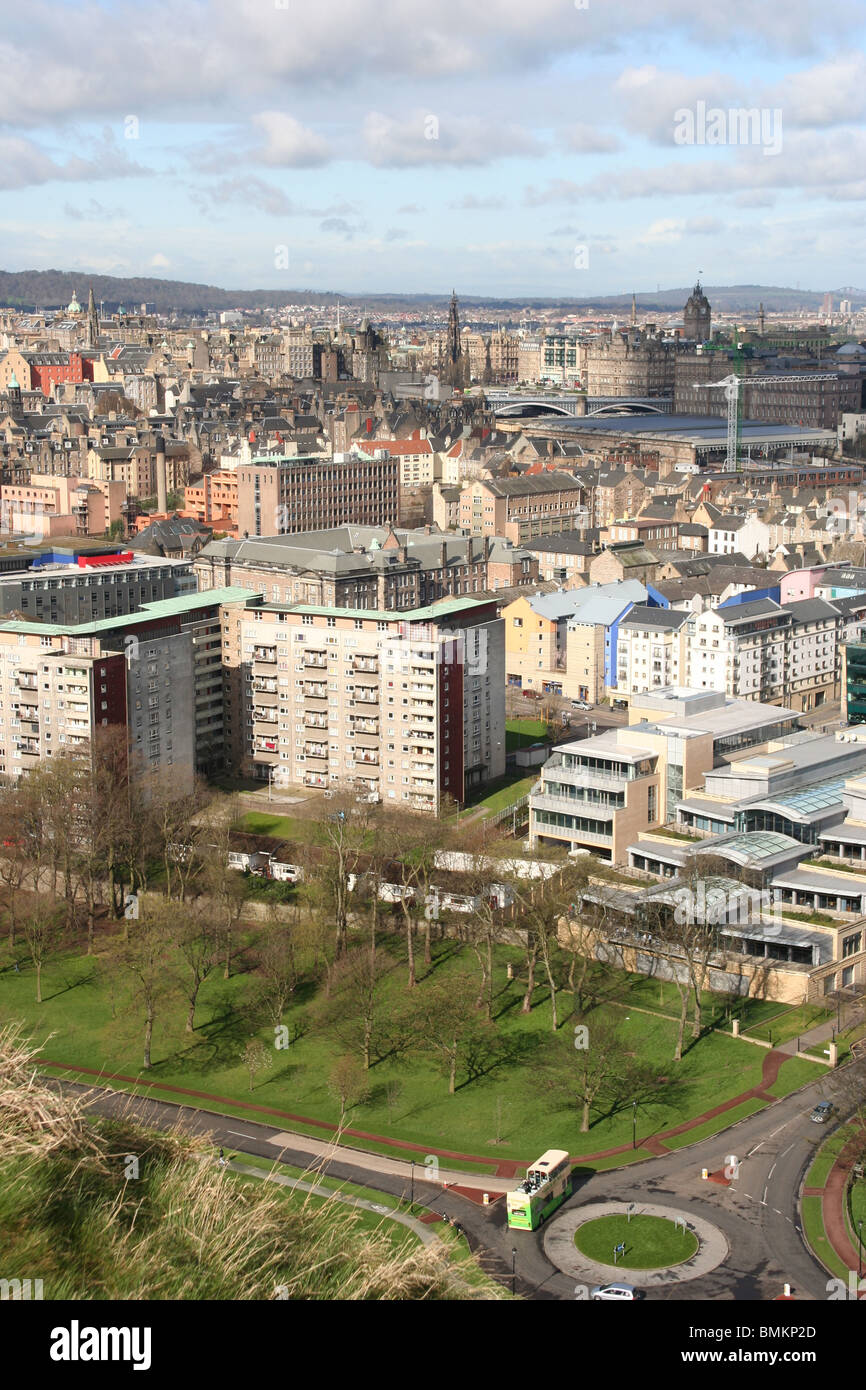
615,1293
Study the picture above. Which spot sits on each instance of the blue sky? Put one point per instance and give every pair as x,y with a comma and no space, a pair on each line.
509,148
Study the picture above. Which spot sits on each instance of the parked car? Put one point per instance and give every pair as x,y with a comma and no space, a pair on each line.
615,1293
822,1113
581,704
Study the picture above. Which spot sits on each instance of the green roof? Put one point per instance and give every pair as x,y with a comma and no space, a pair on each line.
413,615
164,608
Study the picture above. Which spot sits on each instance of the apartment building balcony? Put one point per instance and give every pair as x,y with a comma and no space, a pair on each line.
319,659
78,706
78,723
313,690
263,744
367,726
367,694
27,681
264,685
316,750
425,689
369,664
315,779
266,654
315,721
265,714
29,747
367,755
423,732
76,688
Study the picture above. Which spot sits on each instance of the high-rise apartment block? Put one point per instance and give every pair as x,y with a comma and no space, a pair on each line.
408,708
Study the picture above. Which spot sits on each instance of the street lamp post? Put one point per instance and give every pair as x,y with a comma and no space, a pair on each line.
634,1124
513,1259
412,1188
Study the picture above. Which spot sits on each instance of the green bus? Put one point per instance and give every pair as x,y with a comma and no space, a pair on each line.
545,1187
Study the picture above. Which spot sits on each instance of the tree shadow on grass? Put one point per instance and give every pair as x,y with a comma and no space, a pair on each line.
69,985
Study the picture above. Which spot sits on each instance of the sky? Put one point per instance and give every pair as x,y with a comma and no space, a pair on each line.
512,148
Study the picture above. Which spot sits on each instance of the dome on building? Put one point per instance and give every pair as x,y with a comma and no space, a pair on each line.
13,383
74,307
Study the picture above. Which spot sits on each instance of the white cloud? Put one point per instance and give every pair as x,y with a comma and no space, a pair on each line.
160,262
288,144
23,163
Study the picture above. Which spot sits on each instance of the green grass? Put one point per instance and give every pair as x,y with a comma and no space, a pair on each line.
504,793
501,1114
813,1226
675,834
794,1074
818,919
280,827
827,1154
651,1242
719,1122
790,1023
838,868
520,733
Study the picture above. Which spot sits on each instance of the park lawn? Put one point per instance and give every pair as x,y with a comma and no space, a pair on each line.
795,1073
827,1154
790,1023
502,1114
857,1203
280,827
813,1226
719,1122
650,1241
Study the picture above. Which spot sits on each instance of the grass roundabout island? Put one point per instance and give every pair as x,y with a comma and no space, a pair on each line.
651,1242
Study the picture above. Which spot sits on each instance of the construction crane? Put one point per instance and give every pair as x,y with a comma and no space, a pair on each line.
731,386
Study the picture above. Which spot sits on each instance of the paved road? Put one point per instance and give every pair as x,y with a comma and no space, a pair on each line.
758,1213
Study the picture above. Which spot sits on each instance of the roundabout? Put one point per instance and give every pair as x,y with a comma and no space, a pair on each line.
660,1250
643,1242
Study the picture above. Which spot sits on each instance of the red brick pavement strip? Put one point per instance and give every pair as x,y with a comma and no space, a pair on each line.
813,1192
833,1206
505,1168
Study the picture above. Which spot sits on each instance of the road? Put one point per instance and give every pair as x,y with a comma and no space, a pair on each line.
758,1213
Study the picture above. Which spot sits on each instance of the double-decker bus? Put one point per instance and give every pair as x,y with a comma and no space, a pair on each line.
546,1185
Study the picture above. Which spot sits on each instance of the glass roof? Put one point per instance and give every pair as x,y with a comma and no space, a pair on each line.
759,844
816,798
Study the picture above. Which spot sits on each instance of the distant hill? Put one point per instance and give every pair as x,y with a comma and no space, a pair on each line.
27,289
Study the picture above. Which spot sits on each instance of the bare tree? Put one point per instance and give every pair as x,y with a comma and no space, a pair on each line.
587,1076
353,1011
450,1025
256,1058
40,927
146,959
197,941
349,1084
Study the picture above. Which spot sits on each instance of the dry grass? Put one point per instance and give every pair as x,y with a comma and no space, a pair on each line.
184,1228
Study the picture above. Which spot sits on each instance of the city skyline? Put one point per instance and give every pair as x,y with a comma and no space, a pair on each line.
568,151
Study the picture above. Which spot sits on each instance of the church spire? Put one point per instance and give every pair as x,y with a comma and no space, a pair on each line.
92,321
633,310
